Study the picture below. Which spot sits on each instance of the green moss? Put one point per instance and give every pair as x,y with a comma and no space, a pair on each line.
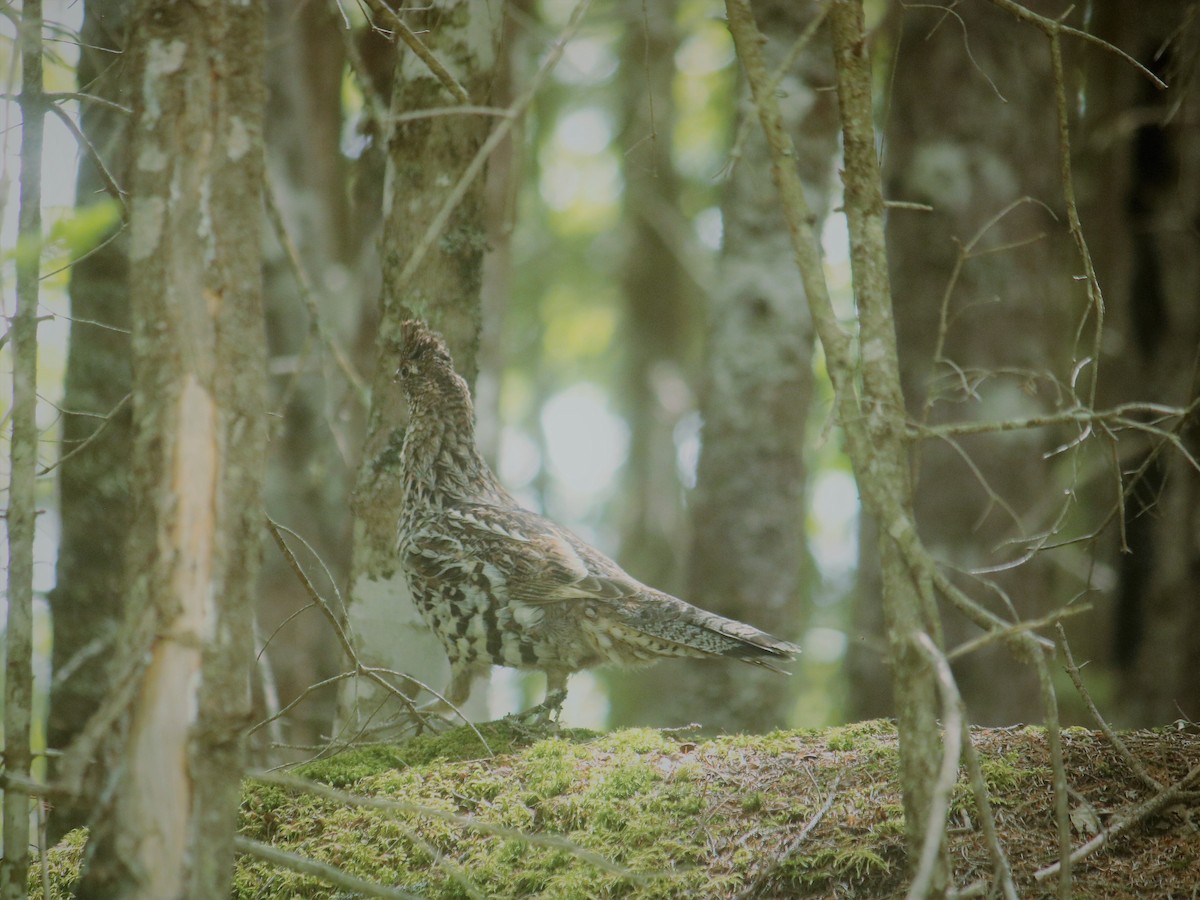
826,865
752,802
63,862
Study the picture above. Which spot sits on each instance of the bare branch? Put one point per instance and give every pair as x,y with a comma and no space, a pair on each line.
1053,27
516,110
110,183
440,72
1113,738
1134,816
91,438
952,738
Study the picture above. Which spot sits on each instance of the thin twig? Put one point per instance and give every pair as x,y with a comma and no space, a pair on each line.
371,673
440,72
498,134
110,183
1053,27
91,438
752,887
1113,738
1000,865
1062,812
1123,823
776,77
952,738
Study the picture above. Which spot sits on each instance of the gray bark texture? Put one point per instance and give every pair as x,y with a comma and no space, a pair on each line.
426,157
21,513
1140,184
748,552
952,142
86,603
198,455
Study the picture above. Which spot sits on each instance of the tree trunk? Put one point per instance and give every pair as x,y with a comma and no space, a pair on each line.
1142,188
86,603
198,455
748,546
21,513
1000,345
426,157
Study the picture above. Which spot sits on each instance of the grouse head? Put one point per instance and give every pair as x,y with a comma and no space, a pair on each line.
426,370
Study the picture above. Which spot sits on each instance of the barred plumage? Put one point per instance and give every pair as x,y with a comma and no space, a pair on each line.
501,585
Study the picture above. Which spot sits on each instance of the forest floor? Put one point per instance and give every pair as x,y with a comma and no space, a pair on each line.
644,813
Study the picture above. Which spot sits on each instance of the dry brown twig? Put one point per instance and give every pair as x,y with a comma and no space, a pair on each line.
503,127
440,72
358,668
1133,816
308,294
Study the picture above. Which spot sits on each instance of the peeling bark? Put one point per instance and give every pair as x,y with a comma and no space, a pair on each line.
199,451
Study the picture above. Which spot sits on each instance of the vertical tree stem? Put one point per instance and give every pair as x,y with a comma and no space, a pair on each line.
18,684
873,420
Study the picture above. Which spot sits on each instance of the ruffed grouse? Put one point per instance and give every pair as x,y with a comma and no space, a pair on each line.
501,585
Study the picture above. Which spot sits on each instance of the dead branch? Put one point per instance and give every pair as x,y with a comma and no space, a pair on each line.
440,72
1133,816
515,111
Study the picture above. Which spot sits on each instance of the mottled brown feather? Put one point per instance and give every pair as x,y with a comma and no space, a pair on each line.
499,584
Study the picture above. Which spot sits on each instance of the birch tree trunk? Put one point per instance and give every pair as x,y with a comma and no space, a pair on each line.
426,157
199,450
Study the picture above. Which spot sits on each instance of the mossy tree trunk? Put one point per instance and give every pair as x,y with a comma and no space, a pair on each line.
198,455
866,383
21,512
426,157
86,603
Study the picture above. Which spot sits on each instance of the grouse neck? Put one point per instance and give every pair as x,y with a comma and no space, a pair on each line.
440,460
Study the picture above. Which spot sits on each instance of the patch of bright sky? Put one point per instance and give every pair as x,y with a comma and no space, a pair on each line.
709,226
588,59
833,519
586,442
687,447
589,188
585,131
